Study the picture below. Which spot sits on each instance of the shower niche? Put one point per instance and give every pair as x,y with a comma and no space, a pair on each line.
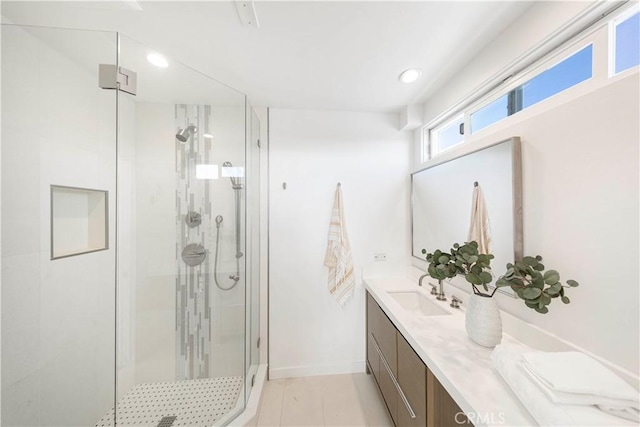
79,221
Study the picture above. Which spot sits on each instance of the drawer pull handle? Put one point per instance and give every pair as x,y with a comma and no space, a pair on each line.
395,382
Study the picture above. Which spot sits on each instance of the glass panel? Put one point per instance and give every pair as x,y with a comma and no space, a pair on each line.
489,114
253,256
58,316
182,254
573,70
449,136
627,49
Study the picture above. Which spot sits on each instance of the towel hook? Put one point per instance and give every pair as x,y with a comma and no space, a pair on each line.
339,185
475,184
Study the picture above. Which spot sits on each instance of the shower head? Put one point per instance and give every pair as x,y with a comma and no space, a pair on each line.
183,134
235,181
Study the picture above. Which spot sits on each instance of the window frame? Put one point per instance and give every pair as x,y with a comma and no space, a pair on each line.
598,34
612,26
433,145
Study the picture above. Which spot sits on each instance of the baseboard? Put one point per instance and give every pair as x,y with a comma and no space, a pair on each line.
312,371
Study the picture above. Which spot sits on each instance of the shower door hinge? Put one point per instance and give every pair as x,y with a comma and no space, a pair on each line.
259,144
109,76
253,379
258,343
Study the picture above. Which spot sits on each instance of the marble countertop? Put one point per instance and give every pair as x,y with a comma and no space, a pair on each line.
463,368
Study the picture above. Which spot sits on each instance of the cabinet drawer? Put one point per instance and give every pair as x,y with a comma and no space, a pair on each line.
389,392
412,378
372,357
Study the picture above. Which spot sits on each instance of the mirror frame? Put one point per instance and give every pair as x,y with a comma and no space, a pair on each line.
516,173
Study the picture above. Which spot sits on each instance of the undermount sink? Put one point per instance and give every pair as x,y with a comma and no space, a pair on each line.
417,303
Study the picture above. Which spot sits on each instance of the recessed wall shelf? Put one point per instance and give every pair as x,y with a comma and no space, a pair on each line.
79,221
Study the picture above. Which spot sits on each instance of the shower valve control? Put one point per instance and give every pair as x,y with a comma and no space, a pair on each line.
194,254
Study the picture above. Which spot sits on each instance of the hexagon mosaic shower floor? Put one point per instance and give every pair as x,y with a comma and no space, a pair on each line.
191,402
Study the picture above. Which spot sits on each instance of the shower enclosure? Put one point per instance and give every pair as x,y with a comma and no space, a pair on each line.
130,236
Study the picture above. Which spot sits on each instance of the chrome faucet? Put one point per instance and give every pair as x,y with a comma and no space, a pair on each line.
440,295
422,278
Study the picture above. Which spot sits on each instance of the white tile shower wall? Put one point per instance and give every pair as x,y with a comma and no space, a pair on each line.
57,316
156,227
311,151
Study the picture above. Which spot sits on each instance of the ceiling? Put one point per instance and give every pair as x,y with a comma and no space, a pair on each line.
308,54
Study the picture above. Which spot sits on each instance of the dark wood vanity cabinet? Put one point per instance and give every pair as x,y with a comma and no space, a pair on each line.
413,396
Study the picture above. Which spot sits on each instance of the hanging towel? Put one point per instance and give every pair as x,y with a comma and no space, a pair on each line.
480,229
338,256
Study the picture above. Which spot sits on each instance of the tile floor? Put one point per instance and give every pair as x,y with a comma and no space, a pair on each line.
333,400
180,403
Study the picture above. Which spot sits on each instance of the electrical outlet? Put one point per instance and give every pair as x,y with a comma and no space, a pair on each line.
380,256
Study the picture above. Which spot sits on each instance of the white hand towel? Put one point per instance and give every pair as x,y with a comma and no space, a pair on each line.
338,256
627,407
480,228
575,372
631,414
507,358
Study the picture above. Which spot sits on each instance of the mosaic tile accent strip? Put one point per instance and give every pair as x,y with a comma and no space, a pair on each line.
192,403
193,283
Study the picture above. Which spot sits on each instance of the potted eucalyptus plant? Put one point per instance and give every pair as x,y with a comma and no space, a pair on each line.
482,320
536,287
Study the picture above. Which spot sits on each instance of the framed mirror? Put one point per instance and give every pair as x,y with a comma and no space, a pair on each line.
441,203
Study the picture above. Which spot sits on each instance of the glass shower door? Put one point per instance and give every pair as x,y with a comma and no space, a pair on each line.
182,276
58,227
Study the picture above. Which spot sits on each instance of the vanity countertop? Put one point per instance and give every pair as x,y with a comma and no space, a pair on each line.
463,368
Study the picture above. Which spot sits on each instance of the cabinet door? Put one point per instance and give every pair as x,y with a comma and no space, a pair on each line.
384,333
412,377
443,410
372,320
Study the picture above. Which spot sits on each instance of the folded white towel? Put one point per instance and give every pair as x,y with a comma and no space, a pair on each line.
507,359
625,408
628,413
575,372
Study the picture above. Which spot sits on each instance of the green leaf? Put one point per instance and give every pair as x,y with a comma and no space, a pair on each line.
538,267
530,261
538,283
517,281
473,279
531,304
424,251
501,282
545,299
485,277
531,293
443,259
473,258
542,310
456,246
566,300
572,283
551,277
554,289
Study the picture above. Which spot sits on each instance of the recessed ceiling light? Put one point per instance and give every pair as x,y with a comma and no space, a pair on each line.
158,60
208,135
410,75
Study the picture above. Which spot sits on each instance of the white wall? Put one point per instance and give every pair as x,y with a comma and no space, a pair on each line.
310,334
580,182
57,315
580,179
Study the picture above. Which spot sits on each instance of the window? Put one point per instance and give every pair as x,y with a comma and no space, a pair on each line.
627,43
571,71
447,136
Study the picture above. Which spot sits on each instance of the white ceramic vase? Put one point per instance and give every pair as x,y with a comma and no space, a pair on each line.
483,321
